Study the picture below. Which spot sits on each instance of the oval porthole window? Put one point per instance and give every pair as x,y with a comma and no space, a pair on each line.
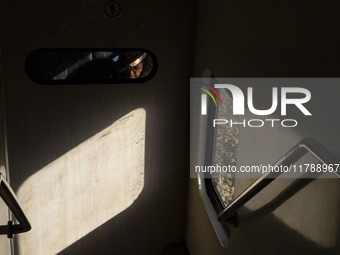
90,66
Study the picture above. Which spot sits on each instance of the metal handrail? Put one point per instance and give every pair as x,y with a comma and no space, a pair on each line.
7,194
293,155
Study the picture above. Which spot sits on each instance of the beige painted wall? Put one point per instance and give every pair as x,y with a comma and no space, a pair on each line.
271,39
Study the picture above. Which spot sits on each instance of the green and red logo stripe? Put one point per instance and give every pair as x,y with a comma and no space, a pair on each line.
209,93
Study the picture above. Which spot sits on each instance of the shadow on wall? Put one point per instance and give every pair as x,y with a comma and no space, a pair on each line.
313,213
269,235
119,230
175,249
258,232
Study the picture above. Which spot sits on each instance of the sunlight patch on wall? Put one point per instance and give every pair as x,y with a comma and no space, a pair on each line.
85,187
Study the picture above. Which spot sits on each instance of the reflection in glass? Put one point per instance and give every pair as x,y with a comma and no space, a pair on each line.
90,66
226,144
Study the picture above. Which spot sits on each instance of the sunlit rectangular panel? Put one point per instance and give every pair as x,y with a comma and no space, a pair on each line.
85,187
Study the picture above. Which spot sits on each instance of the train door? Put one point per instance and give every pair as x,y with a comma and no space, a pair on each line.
101,167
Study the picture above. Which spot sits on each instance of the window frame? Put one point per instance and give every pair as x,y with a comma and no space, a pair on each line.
91,81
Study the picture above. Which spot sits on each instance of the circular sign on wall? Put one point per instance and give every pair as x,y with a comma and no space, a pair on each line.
112,8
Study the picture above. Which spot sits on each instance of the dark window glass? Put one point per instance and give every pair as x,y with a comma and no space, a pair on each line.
74,66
